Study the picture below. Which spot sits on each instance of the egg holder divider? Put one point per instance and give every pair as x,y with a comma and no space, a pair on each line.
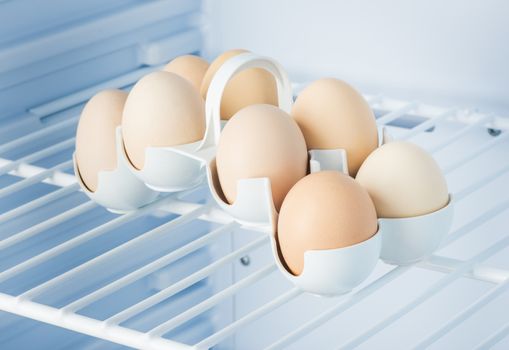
118,190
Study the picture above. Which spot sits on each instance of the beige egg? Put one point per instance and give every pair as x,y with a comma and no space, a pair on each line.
324,210
261,141
331,115
251,86
190,67
95,135
162,110
403,181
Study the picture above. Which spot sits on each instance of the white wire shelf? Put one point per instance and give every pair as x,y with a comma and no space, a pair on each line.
29,302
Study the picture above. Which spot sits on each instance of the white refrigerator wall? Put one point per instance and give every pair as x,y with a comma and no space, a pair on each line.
438,51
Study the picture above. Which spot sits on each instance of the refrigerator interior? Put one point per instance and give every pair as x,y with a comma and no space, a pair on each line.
179,274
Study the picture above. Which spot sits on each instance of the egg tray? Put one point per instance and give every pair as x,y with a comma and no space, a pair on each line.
399,241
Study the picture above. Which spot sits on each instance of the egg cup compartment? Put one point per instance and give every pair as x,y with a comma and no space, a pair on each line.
118,190
332,272
254,205
408,240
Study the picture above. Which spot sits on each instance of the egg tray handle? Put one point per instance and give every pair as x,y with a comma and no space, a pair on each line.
218,84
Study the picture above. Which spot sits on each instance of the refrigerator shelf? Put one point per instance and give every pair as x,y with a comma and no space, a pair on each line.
51,165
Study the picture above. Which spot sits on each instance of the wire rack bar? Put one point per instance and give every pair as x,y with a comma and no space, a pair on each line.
495,175
29,181
463,315
34,292
27,170
85,237
258,313
149,268
434,289
494,339
35,156
476,152
482,273
478,221
184,283
39,202
86,325
431,122
51,222
393,115
211,302
342,306
484,119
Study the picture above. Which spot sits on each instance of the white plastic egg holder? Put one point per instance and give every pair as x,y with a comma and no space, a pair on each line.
118,190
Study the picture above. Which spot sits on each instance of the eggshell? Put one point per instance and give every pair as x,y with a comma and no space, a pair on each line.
324,210
190,67
251,86
95,135
261,141
403,180
162,110
332,115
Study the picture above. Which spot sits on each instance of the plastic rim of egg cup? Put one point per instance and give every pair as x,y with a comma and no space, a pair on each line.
406,241
118,190
169,169
333,272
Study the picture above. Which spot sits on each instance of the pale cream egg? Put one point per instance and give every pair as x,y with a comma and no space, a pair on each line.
162,110
403,180
95,135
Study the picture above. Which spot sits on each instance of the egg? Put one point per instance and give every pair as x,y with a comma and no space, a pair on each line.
261,141
403,180
332,115
162,110
324,210
95,135
190,67
251,86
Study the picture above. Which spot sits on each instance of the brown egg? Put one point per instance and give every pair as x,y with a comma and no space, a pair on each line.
403,181
162,109
190,67
95,136
261,141
331,115
324,210
251,86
